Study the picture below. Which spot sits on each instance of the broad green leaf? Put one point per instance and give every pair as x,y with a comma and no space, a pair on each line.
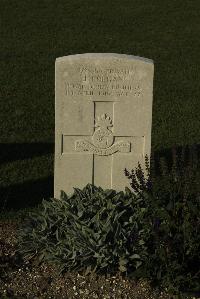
122,268
135,256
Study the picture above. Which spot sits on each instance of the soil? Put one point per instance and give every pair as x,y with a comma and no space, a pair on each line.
20,279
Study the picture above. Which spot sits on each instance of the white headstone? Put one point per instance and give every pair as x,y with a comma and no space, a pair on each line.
103,118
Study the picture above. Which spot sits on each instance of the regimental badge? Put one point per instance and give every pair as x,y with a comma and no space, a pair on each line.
103,140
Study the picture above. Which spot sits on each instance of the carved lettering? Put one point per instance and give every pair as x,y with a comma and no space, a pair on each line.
85,146
103,82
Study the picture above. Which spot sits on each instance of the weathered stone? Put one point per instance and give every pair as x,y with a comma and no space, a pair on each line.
103,118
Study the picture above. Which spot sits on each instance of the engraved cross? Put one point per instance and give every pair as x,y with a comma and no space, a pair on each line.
101,146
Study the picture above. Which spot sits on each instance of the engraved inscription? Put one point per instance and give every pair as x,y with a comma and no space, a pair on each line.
103,82
86,146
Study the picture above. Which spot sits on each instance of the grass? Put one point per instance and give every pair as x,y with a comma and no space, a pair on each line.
35,33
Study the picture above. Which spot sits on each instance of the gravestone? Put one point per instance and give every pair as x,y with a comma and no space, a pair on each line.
103,117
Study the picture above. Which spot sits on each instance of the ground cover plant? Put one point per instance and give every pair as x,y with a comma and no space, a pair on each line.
152,233
148,254
34,34
91,229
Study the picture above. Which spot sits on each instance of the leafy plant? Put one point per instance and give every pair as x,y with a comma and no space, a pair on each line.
150,232
93,230
173,201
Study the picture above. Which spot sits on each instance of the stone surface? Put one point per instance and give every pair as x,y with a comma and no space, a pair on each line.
103,117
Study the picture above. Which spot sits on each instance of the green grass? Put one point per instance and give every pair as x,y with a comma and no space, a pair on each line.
34,33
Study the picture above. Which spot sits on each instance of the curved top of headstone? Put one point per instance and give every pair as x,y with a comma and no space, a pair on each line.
104,55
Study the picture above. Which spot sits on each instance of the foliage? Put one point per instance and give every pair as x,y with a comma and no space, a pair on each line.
152,232
173,201
94,229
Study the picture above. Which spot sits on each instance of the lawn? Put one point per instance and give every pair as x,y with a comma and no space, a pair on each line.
34,33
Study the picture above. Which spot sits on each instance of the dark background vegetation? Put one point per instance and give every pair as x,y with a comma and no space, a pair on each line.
34,33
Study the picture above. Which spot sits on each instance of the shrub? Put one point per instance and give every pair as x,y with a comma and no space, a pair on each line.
172,200
93,230
152,232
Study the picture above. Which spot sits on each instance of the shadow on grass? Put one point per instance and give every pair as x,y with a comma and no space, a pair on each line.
31,193
28,194
20,151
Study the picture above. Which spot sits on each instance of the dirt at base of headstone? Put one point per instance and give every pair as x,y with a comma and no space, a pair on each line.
27,281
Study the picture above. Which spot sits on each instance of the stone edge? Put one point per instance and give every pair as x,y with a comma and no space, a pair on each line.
103,55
